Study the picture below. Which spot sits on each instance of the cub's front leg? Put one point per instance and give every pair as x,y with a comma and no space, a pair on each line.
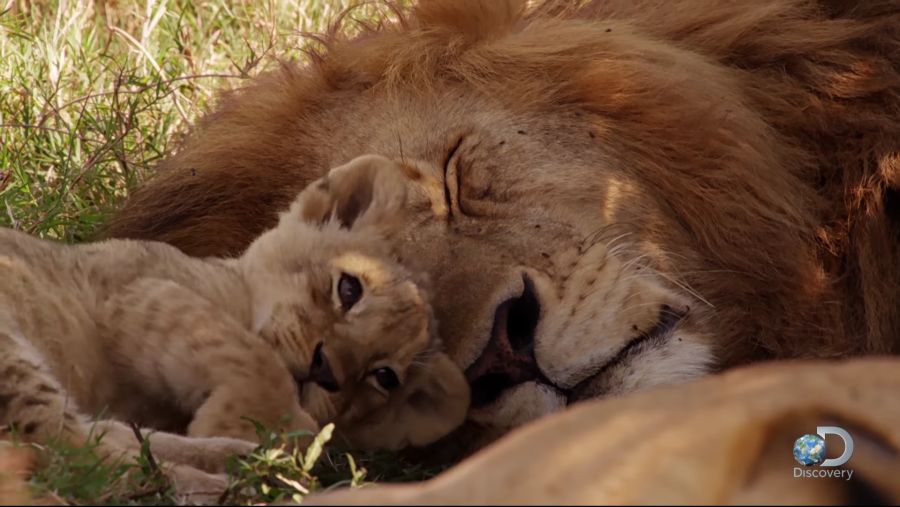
186,352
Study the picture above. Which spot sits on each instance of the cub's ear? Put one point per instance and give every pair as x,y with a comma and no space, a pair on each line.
431,403
368,190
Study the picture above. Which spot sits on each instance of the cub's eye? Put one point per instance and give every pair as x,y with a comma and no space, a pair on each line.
349,291
386,378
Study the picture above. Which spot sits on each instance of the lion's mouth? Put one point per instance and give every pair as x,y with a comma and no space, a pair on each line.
669,318
508,359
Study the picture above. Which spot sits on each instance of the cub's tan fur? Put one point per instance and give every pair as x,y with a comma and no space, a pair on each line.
147,334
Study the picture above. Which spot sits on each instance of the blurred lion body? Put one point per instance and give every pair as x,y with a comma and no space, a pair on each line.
723,440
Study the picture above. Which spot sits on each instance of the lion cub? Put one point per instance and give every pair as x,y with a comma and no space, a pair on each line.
143,333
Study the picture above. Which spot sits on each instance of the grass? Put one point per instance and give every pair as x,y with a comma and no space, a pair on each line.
77,475
276,472
93,93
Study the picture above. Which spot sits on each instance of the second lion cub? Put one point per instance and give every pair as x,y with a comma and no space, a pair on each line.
144,333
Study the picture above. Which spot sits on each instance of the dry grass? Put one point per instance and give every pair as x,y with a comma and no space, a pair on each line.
94,93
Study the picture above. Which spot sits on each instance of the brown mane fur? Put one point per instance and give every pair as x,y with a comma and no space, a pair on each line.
805,88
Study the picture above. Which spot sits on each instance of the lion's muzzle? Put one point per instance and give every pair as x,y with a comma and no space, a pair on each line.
508,359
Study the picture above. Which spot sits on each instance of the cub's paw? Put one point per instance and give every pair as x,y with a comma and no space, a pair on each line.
204,453
193,486
209,454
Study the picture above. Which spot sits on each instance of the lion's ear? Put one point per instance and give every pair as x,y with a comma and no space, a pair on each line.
367,191
431,403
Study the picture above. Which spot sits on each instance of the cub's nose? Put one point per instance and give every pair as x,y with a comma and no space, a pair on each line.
320,371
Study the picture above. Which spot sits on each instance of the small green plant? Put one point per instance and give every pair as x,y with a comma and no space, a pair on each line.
79,475
280,469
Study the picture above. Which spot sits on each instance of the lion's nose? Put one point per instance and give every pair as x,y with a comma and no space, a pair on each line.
508,359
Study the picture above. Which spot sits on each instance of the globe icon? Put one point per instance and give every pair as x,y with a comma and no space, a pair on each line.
809,450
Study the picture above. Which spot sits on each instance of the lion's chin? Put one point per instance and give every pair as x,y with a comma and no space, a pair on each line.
519,405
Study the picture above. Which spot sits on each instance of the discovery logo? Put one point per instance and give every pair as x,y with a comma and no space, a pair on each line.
809,451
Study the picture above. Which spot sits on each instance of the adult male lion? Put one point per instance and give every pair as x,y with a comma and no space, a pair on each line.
609,196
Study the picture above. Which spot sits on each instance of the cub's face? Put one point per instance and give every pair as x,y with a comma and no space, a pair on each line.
382,326
346,316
